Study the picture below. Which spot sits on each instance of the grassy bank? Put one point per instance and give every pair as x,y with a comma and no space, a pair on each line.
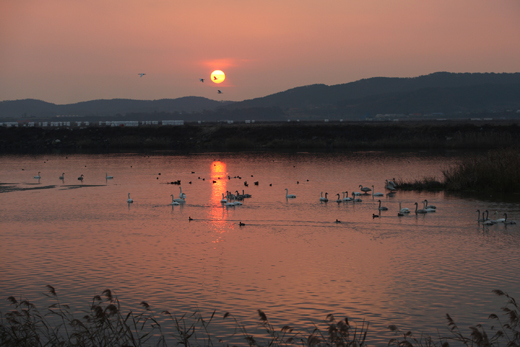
106,325
495,170
263,136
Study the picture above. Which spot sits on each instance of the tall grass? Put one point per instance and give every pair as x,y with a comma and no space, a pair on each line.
106,325
497,170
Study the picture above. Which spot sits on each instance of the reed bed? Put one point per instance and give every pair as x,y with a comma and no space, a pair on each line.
497,170
106,325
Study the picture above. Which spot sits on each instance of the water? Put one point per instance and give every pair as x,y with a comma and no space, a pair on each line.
290,259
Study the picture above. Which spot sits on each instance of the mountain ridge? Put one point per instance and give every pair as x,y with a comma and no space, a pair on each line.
440,92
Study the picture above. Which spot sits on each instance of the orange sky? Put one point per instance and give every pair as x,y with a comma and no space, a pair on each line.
66,51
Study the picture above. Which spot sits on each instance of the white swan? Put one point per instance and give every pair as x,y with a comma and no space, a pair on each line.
381,208
419,211
181,194
129,200
223,200
324,198
376,194
356,199
508,221
289,196
38,176
404,209
346,198
173,200
338,200
390,185
108,177
62,177
364,189
428,208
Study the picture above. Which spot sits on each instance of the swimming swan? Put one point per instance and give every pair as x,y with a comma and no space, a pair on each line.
346,198
419,211
382,208
129,200
181,194
173,201
289,196
324,198
38,176
404,209
108,177
62,177
364,189
376,194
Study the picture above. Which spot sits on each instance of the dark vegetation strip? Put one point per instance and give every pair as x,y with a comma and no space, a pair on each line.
271,136
106,325
495,170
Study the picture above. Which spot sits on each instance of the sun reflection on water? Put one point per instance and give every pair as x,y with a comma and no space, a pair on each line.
216,211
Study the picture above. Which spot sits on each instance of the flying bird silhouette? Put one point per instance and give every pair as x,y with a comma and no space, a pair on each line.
201,79
220,91
141,74
215,78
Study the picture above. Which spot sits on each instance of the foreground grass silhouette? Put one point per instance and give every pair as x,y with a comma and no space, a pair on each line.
106,325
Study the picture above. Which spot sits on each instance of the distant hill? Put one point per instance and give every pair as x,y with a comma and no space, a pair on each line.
321,95
440,92
29,108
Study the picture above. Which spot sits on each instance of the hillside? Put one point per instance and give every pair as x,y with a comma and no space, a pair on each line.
29,108
442,92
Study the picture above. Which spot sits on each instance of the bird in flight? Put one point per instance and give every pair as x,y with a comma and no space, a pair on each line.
141,74
215,78
201,79
220,91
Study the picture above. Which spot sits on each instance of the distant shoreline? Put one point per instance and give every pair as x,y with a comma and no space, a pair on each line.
265,136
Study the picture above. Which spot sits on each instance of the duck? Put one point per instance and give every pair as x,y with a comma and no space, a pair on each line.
337,221
381,208
190,219
80,178
374,216
129,199
289,196
376,194
241,224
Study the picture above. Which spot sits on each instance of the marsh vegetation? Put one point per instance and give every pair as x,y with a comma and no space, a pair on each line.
105,324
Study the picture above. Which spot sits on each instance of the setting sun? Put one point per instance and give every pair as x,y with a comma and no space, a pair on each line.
218,76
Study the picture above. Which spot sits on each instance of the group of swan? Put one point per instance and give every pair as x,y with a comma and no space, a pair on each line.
486,221
426,208
80,178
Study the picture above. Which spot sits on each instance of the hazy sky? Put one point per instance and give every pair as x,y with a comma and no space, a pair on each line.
66,51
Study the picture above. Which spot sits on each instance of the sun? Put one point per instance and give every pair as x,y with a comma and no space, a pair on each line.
218,76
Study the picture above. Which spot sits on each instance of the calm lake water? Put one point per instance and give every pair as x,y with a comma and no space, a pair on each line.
290,259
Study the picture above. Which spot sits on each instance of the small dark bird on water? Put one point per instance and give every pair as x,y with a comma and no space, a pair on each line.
241,224
375,216
80,178
338,221
190,219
